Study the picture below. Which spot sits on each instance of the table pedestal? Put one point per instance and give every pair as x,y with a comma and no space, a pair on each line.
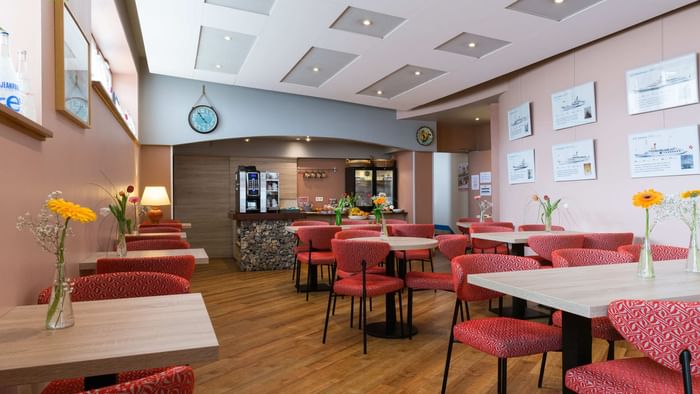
390,328
96,382
313,281
576,344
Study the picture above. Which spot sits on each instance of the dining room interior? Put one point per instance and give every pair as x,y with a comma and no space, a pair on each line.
349,196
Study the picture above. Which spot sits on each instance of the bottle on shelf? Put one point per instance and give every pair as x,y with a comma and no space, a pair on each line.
28,107
9,86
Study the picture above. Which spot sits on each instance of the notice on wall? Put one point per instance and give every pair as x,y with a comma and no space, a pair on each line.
485,177
574,161
664,152
475,182
667,84
485,190
573,107
463,176
521,167
519,123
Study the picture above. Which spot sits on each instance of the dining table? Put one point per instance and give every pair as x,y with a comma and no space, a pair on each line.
109,336
390,328
89,263
182,235
517,240
582,293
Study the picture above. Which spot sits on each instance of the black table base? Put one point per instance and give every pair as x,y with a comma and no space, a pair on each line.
316,288
96,382
381,330
576,343
519,310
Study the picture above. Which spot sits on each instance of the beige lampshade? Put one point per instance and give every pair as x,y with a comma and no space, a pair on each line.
155,195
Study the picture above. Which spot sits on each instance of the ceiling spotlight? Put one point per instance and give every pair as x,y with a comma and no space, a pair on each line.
308,139
558,1
247,140
218,66
316,69
417,73
298,138
366,22
379,92
227,38
472,45
477,119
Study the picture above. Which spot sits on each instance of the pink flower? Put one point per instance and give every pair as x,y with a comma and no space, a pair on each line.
546,197
134,199
130,189
477,197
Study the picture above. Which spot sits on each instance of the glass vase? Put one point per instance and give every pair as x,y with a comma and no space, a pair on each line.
385,231
481,217
645,267
60,312
338,217
121,244
548,223
693,262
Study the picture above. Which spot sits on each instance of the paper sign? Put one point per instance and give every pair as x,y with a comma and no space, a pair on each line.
475,182
485,190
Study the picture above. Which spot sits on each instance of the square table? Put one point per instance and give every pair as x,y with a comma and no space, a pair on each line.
108,337
517,239
182,235
200,256
585,292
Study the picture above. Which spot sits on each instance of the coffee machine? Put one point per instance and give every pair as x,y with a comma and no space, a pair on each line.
248,187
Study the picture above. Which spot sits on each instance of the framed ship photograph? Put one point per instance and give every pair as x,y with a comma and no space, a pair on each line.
521,167
574,161
668,84
519,123
574,107
666,152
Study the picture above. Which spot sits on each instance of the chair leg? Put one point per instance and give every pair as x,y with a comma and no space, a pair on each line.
308,282
352,310
335,297
298,275
362,313
370,304
409,313
544,362
503,377
461,312
294,268
685,371
401,314
328,310
611,350
449,346
466,308
364,322
500,306
422,265
432,269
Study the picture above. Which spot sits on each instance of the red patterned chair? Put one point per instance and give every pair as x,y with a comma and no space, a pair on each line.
395,221
157,244
132,238
663,331
607,241
159,229
300,248
176,225
482,245
538,227
498,336
357,257
658,252
370,227
300,223
173,380
415,230
353,221
177,265
317,240
544,245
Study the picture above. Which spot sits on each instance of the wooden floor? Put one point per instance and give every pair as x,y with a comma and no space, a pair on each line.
271,341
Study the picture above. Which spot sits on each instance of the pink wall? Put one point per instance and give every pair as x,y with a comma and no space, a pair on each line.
423,185
603,204
479,161
70,162
155,169
404,169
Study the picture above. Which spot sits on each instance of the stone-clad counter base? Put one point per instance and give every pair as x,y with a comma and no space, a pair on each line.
265,245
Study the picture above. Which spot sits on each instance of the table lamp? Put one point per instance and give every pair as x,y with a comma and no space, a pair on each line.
154,197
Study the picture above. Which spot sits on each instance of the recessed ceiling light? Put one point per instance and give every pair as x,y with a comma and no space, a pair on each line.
558,1
247,140
227,38
472,44
366,22
218,66
477,119
308,139
417,73
298,138
316,69
379,92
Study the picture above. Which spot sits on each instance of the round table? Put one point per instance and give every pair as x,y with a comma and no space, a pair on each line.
464,225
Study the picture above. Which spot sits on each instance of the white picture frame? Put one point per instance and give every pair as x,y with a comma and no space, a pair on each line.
574,161
574,107
667,84
666,152
519,122
521,167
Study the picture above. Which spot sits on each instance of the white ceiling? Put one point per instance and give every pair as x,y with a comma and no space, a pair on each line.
171,32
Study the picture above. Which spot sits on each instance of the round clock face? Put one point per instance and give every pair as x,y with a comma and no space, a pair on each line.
203,119
424,135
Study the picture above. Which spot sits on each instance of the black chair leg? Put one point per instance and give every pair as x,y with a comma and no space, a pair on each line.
461,312
298,275
352,310
335,298
503,375
401,314
685,369
328,310
370,304
364,324
611,350
409,313
500,306
362,313
544,362
422,265
449,346
466,308
432,269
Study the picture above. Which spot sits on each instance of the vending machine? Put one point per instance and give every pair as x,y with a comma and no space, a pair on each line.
257,191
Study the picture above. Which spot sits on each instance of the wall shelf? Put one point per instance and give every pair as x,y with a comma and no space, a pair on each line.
22,124
102,94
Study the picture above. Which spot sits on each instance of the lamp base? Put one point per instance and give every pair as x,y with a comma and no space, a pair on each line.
155,214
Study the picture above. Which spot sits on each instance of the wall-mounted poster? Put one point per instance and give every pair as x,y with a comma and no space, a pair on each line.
485,177
475,182
668,84
574,161
485,190
463,176
664,152
521,167
519,124
573,107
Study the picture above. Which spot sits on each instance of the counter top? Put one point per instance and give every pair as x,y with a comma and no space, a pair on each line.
266,216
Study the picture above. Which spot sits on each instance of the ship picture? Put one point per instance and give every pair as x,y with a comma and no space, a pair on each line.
574,104
663,82
661,152
520,166
575,158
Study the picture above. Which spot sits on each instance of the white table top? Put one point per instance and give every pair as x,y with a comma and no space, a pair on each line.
517,237
293,229
587,291
109,336
404,243
182,235
466,224
200,256
186,225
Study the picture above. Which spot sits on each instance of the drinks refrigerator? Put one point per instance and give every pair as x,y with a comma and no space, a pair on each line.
257,191
366,182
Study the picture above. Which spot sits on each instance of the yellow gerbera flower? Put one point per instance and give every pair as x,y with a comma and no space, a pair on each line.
690,193
69,210
647,198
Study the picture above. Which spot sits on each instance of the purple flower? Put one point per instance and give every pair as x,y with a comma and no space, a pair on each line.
134,199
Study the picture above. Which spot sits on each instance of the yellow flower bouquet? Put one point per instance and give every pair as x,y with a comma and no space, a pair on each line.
646,199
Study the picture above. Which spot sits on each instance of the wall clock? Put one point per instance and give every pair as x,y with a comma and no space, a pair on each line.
424,135
203,118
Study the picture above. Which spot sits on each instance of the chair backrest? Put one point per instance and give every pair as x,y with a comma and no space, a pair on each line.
544,245
349,234
177,265
176,225
485,228
132,238
413,230
122,285
172,380
157,244
474,220
538,227
159,229
452,245
371,227
507,225
658,252
463,266
299,223
318,237
395,221
607,241
165,221
353,221
349,254
577,257
660,329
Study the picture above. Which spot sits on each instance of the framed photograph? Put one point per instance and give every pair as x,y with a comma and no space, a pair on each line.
574,107
463,176
521,167
519,123
72,49
574,161
668,84
665,152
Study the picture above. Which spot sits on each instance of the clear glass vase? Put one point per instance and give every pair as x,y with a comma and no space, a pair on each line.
338,217
548,223
121,244
385,231
693,262
645,267
60,312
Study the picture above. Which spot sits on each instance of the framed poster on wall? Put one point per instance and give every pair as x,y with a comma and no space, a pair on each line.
519,123
574,107
667,84
521,167
463,176
574,161
665,152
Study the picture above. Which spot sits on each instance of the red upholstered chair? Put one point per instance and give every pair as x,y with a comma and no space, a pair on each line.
607,241
353,221
353,233
357,257
176,225
498,336
658,252
666,332
473,220
177,265
370,227
318,249
131,238
395,221
544,245
159,229
157,244
299,248
483,245
300,223
171,380
415,230
538,227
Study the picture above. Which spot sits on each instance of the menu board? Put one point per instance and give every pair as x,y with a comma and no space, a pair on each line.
574,161
573,107
521,167
664,152
519,123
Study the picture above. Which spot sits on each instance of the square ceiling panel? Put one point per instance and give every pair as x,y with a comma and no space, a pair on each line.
370,23
222,51
474,45
317,66
257,6
552,10
400,81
